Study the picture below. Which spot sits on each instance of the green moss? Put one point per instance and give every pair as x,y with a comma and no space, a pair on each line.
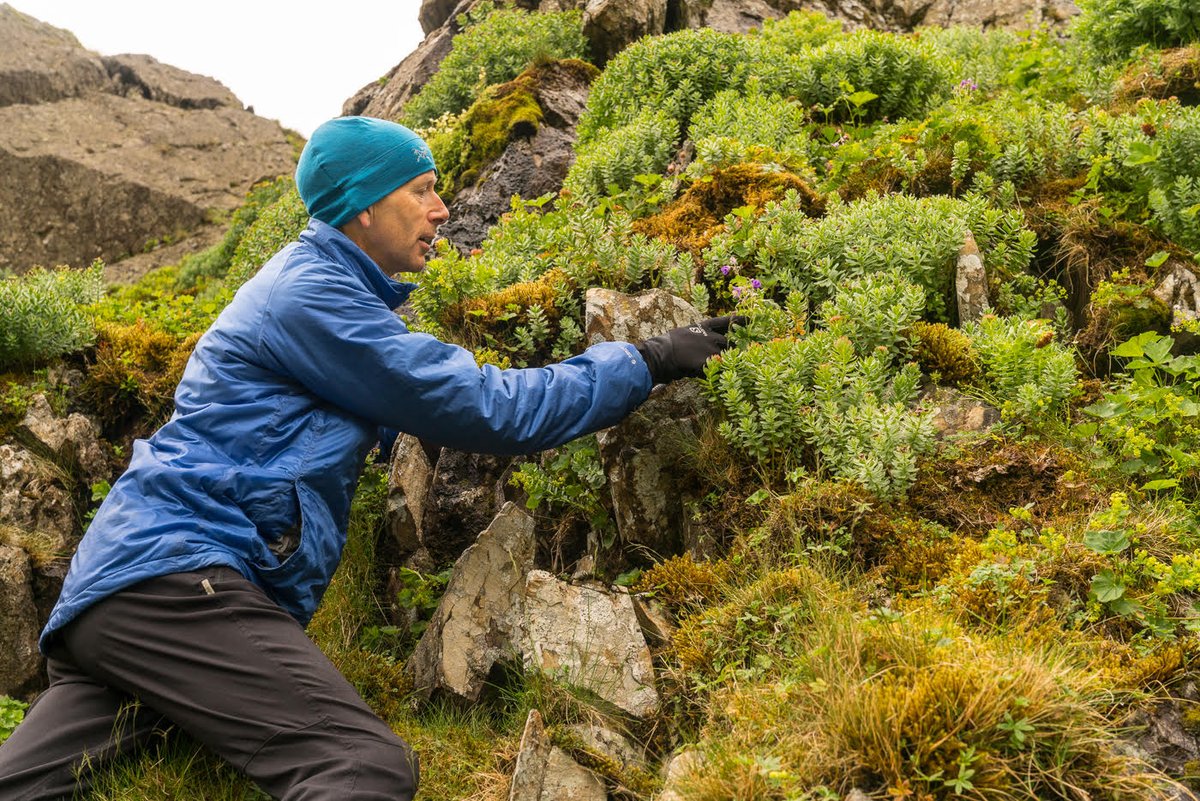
945,351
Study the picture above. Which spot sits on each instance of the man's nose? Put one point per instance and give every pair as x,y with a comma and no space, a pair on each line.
440,213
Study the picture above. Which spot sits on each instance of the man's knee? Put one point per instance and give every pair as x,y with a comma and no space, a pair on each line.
345,768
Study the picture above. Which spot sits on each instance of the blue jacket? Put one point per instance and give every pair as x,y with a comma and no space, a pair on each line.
278,407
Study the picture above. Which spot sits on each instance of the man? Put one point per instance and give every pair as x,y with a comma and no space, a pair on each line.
191,588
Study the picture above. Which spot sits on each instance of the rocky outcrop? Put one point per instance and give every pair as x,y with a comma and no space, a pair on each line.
544,772
105,157
20,663
385,98
41,64
589,638
641,454
610,25
480,617
530,166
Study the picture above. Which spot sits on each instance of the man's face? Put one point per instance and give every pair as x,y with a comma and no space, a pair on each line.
399,230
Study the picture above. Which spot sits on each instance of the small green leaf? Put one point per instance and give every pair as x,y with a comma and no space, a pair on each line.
1107,587
1161,484
758,496
1157,259
861,98
1106,541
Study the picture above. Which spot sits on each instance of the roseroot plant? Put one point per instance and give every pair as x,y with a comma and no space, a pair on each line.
275,226
734,127
1025,370
1113,29
869,76
42,314
799,31
1149,421
611,162
674,73
920,238
831,403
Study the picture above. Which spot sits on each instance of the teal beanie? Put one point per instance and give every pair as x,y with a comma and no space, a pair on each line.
351,162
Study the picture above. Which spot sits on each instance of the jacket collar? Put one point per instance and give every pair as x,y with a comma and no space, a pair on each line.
341,249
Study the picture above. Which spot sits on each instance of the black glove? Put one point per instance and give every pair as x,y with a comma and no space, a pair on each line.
682,352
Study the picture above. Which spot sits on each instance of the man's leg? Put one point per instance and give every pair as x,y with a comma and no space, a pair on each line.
215,656
73,727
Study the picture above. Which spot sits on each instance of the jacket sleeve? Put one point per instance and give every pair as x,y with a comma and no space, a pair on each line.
345,346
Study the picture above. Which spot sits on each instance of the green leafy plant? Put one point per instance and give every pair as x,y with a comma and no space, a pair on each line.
1148,421
673,74
734,126
42,314
799,30
1113,29
569,481
1025,369
870,76
612,160
12,712
832,402
275,226
918,237
496,46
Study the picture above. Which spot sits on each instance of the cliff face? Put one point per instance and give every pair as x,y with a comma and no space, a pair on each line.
102,156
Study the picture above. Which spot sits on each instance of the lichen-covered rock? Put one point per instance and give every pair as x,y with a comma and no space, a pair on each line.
73,442
410,475
20,662
34,502
615,316
957,414
675,770
612,745
1179,290
545,772
480,617
970,283
641,453
589,638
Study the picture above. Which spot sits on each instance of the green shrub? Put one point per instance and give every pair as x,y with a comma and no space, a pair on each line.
1113,29
799,30
980,60
734,127
1147,164
496,47
1029,374
42,316
569,482
674,74
869,76
12,712
1006,139
832,401
920,237
1146,421
275,226
612,160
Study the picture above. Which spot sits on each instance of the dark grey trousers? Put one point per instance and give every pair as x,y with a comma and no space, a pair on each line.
211,654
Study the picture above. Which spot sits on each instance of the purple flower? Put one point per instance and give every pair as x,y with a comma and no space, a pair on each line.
737,291
754,282
727,269
968,84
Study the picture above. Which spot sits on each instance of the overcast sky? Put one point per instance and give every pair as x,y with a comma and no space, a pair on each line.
295,62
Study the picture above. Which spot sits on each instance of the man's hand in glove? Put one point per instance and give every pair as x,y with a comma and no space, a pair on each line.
682,352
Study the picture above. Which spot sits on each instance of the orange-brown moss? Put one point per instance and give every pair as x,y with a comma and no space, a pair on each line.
973,491
681,583
1170,73
691,221
131,384
496,315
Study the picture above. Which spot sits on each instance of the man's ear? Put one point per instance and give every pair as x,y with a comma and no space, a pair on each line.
364,217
